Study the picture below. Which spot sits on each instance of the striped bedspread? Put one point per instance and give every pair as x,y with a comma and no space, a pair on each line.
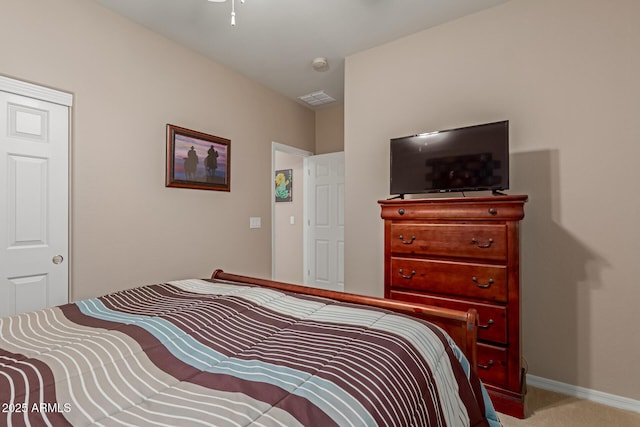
212,353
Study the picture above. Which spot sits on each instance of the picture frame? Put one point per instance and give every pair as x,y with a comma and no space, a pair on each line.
197,160
283,181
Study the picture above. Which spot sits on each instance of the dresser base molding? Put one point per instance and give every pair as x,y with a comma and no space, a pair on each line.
508,402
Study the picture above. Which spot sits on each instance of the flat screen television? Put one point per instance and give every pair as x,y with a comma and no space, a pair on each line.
469,158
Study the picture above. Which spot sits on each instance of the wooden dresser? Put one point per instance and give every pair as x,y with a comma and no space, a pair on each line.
461,253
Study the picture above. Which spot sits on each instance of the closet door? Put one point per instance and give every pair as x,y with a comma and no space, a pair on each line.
34,195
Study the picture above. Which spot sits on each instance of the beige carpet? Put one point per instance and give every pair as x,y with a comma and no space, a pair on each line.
546,408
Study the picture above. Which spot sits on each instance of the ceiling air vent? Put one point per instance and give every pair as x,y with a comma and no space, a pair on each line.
316,98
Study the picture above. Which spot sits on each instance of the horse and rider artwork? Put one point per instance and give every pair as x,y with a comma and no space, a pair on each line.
197,160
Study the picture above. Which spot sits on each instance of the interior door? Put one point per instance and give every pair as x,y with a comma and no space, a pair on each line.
34,187
325,221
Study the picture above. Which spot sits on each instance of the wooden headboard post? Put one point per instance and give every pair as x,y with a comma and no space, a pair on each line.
460,325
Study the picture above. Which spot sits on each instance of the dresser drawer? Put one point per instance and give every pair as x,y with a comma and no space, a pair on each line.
492,318
481,241
478,281
492,364
493,208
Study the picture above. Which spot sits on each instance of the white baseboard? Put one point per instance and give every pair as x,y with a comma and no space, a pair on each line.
585,393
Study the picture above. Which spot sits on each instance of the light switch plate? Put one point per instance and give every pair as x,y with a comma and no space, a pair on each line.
255,222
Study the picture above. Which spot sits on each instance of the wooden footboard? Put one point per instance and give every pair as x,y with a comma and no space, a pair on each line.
460,325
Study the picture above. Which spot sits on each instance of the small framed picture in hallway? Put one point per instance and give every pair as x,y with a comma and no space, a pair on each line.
283,184
197,160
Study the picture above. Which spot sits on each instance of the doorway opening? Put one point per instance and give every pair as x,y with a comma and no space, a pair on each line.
308,226
287,214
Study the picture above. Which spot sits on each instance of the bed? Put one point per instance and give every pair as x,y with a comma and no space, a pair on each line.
240,351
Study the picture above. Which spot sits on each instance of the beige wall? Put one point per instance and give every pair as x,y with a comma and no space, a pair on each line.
128,83
565,73
330,129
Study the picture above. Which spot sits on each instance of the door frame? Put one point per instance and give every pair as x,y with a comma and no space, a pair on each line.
275,147
34,91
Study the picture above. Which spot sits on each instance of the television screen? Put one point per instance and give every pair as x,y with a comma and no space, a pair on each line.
463,159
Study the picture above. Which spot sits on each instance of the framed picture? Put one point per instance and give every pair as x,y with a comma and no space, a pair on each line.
283,182
197,160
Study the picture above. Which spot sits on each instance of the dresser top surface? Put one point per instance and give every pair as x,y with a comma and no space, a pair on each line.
457,200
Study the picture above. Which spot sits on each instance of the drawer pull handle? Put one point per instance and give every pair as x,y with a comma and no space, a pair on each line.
489,323
407,242
487,366
482,245
404,276
474,279
493,211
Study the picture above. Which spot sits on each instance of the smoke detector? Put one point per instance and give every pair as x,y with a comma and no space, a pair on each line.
320,64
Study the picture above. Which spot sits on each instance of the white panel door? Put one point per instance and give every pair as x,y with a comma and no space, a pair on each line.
34,183
324,192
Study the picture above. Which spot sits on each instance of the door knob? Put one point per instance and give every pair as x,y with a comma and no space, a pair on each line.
57,259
